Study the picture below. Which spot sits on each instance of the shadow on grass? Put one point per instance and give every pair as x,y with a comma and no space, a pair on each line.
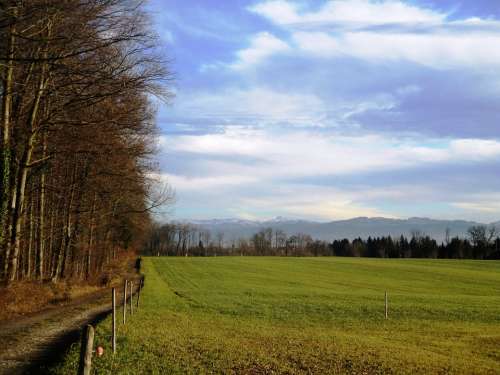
55,351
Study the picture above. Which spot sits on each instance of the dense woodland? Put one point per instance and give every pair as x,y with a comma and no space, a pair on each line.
77,78
189,240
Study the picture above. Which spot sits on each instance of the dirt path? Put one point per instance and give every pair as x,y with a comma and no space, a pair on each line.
29,343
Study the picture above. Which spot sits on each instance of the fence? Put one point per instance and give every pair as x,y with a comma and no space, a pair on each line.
87,346
86,350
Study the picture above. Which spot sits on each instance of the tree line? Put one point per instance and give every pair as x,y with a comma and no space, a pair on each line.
417,247
189,240
183,239
77,130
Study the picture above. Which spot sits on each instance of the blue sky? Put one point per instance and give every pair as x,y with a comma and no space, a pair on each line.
328,110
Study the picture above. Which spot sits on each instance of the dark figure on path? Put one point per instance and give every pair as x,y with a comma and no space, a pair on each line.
138,264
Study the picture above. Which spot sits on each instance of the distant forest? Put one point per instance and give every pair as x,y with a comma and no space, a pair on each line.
188,240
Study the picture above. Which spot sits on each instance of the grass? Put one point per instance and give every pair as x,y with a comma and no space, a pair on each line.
249,315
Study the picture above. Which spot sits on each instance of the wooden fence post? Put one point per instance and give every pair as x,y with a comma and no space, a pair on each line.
124,302
386,306
113,323
131,297
86,351
139,293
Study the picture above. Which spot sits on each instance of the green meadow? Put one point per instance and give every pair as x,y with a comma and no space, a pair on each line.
264,315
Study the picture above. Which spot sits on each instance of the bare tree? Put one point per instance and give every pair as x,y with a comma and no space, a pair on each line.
77,133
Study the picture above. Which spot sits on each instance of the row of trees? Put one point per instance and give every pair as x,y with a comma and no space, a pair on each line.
424,247
76,128
481,243
183,240
186,239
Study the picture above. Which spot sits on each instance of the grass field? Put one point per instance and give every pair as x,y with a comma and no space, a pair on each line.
249,315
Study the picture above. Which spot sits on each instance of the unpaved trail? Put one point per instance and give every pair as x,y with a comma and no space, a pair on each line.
29,343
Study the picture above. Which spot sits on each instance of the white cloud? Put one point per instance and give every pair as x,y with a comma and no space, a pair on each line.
261,46
381,102
360,12
261,173
184,183
482,207
318,43
313,202
260,106
437,42
438,50
475,149
279,11
487,203
299,154
257,104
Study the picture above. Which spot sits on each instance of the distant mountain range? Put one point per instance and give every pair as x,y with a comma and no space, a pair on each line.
353,228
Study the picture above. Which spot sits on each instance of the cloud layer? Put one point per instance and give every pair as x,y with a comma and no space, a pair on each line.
347,12
333,109
386,31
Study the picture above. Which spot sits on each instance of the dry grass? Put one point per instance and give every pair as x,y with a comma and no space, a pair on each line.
28,297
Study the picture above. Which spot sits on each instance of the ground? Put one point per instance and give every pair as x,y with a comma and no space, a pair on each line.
29,297
256,315
39,321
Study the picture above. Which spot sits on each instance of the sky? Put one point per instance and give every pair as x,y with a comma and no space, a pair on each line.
328,110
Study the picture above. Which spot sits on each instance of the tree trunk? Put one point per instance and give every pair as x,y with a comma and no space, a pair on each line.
40,255
6,153
50,247
91,238
30,241
20,186
66,233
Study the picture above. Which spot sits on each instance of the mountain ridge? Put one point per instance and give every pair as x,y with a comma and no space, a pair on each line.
364,227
